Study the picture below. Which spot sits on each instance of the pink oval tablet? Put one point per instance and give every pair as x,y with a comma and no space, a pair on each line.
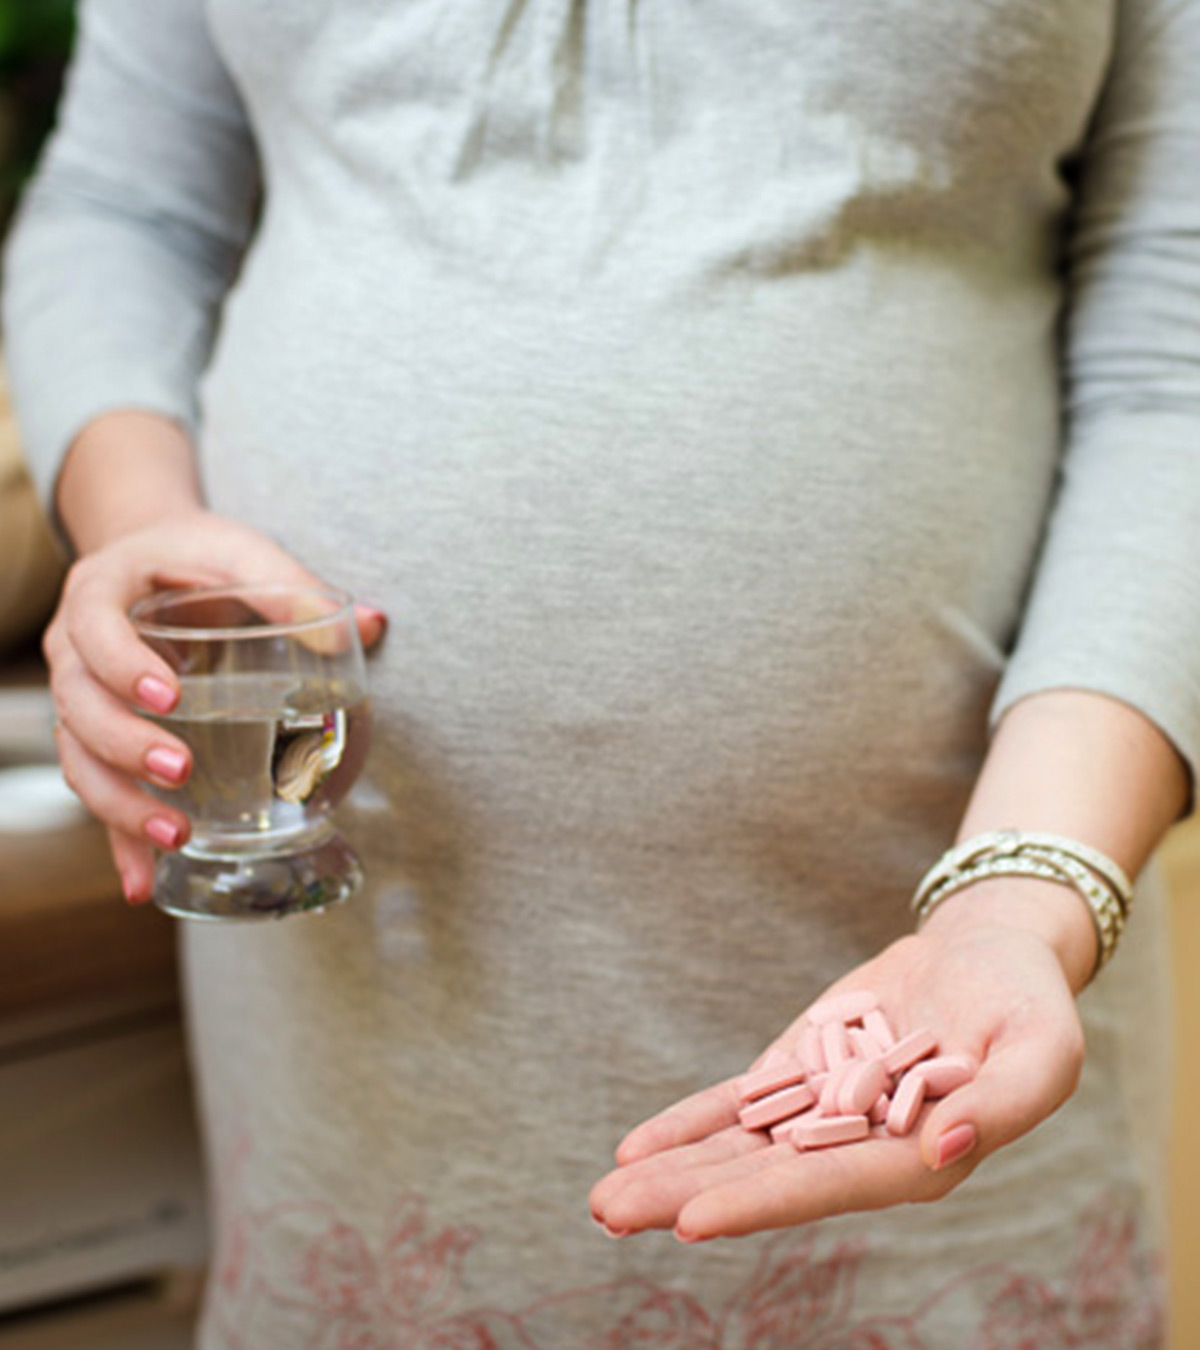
876,1025
849,1007
878,1113
906,1104
827,1130
782,1132
778,1106
827,1102
863,1083
810,1052
916,1045
761,1082
945,1074
863,1045
835,1043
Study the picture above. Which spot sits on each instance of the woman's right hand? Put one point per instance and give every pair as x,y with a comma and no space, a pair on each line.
100,672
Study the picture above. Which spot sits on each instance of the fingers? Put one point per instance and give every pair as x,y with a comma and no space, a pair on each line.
803,1187
111,732
116,799
650,1193
92,627
336,636
659,1202
134,861
208,550
257,559
693,1118
100,667
1030,1069
92,620
372,624
258,563
1006,1004
736,1183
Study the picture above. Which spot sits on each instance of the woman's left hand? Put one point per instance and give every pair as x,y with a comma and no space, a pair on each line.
986,986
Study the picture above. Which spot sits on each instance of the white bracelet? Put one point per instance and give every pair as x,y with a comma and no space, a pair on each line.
1012,843
1099,881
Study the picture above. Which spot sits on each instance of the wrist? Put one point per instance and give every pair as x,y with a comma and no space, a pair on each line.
1052,912
125,472
1081,764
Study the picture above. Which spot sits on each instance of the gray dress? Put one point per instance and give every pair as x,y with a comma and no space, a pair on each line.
692,385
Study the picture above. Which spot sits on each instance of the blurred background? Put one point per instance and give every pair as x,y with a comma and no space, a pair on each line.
103,1233
35,40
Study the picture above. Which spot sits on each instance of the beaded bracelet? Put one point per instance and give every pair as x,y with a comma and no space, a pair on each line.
1101,883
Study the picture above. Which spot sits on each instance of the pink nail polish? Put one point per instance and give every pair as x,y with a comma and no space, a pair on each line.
168,764
162,832
956,1143
156,694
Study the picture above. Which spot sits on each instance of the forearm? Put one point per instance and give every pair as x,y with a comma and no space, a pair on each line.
1078,764
125,471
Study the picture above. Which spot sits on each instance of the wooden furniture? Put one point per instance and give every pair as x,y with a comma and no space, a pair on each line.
100,1174
153,1315
68,937
1182,858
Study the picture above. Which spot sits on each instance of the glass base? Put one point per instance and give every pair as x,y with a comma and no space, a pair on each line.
240,887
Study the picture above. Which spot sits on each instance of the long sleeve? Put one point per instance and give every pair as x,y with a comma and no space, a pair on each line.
1115,603
132,229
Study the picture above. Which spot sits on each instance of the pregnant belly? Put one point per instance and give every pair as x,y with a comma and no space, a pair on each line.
702,547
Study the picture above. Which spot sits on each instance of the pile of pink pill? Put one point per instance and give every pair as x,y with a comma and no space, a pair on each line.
848,1076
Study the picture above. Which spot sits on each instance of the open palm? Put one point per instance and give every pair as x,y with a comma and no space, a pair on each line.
995,993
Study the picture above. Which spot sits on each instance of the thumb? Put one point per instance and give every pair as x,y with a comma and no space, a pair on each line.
372,624
264,558
1026,1076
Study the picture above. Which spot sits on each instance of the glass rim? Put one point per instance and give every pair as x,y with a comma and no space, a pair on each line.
149,628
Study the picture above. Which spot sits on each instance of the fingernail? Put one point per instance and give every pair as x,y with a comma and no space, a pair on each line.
168,764
956,1143
156,694
691,1238
164,834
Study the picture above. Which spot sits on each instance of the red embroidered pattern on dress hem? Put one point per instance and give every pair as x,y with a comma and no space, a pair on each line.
340,1292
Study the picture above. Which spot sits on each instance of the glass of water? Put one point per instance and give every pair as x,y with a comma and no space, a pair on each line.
274,709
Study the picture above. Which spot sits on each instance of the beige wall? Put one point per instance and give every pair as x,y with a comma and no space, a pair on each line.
1183,864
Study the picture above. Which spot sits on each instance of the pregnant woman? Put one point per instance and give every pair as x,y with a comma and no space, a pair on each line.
772,431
